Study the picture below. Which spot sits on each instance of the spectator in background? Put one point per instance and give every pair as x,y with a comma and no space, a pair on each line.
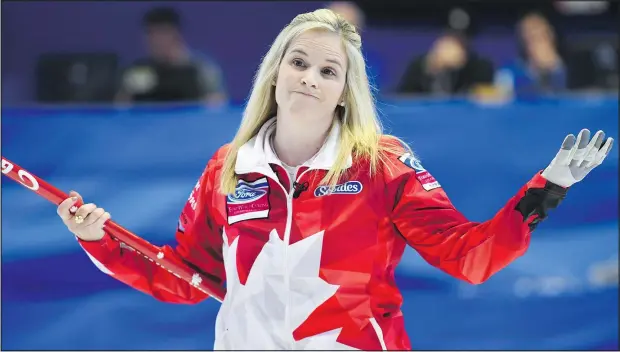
540,67
449,68
355,16
171,72
350,12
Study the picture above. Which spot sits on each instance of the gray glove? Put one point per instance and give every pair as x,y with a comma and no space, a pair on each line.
577,158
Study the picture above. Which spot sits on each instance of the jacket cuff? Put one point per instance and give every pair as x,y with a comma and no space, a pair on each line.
540,197
538,181
87,245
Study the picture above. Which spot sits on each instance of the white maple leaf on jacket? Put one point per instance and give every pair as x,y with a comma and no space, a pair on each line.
254,313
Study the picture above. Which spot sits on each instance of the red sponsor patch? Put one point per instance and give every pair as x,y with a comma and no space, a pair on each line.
426,179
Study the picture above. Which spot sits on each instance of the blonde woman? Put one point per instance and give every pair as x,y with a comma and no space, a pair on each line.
303,217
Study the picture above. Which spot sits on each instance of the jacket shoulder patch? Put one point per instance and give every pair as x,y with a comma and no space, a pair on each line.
426,179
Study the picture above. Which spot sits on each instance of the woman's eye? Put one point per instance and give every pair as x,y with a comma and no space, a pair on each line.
329,71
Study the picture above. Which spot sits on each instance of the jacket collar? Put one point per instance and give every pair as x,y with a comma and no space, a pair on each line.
257,153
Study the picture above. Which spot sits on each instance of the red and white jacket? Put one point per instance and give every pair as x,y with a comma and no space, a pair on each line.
305,268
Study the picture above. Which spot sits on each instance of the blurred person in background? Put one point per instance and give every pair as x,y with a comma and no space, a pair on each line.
298,223
353,14
350,12
171,72
449,68
540,66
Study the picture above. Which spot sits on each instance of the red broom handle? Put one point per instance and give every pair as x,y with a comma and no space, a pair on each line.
146,249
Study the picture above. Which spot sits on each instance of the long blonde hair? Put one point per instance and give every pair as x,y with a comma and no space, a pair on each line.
361,130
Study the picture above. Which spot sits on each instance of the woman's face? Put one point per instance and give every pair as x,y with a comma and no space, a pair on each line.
312,75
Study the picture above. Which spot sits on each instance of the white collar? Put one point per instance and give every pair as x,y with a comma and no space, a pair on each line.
257,153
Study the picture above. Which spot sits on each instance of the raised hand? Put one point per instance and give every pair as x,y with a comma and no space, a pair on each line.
577,157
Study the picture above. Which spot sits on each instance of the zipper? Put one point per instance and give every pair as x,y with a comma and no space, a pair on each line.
287,278
287,239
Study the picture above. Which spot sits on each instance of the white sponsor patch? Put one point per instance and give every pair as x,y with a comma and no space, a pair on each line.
250,201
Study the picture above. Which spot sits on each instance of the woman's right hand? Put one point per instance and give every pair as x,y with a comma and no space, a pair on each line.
90,219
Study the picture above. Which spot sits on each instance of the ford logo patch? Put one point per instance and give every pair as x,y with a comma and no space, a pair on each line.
246,193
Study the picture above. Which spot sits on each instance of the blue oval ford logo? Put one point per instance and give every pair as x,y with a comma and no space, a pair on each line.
245,194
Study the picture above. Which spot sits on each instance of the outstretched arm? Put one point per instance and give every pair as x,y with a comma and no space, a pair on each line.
473,251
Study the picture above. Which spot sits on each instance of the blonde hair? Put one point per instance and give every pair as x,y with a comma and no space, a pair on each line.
361,131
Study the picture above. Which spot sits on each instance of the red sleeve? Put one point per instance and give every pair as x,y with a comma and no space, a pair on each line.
467,250
199,245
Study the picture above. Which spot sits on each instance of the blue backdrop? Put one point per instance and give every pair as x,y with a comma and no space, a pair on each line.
140,164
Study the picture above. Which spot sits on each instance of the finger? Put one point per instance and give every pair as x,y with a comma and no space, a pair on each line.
599,141
569,142
592,148
577,143
565,151
585,138
100,222
64,206
79,197
92,217
579,152
83,212
602,153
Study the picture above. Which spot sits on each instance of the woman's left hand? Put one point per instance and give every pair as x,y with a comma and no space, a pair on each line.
577,157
